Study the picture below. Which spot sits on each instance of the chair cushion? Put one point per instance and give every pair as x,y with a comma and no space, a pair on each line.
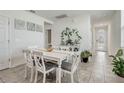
49,65
51,61
66,66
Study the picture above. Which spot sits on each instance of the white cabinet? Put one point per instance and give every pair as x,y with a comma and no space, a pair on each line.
4,54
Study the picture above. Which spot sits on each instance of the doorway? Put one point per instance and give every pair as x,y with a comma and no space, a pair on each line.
4,43
48,34
101,38
48,38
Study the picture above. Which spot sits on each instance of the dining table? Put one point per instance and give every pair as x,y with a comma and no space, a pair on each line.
54,56
57,56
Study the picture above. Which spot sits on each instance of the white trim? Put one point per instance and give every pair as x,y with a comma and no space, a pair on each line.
108,36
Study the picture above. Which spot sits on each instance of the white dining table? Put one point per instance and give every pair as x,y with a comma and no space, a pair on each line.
67,52
56,56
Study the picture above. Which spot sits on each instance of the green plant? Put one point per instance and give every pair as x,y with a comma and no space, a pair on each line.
68,34
118,63
119,52
85,54
69,42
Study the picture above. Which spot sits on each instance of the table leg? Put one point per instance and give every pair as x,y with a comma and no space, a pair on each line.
58,73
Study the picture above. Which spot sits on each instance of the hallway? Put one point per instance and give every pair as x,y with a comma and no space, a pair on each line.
98,70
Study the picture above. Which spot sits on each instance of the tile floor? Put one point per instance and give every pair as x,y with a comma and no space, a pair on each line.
97,70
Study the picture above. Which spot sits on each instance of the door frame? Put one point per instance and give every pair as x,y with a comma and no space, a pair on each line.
47,44
47,26
9,42
106,40
49,37
108,36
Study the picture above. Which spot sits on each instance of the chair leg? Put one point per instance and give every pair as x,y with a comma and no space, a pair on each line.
44,77
36,74
25,71
72,79
32,73
77,76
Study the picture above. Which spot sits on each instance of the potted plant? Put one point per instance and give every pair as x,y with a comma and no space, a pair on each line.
118,63
85,56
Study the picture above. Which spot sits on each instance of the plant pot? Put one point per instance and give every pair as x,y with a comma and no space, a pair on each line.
85,60
120,75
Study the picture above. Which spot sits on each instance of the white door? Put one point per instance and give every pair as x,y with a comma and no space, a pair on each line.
101,38
4,54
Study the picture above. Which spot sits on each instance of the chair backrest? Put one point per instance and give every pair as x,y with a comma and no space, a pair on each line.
32,47
28,56
64,48
39,60
76,60
56,47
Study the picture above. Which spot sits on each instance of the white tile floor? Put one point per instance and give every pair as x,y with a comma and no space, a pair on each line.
97,70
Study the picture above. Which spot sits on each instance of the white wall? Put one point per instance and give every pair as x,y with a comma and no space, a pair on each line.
82,23
122,28
115,32
20,39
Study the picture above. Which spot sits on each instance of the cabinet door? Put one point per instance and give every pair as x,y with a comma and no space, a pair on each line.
4,57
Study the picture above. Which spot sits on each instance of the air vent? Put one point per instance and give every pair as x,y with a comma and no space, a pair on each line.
61,16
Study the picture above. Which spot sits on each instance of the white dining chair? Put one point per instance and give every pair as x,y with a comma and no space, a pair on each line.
55,47
71,67
66,48
29,63
33,47
41,66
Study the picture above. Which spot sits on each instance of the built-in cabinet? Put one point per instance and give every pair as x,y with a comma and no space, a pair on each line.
4,43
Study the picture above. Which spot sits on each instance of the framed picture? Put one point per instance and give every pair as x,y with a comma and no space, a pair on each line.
38,28
19,24
30,26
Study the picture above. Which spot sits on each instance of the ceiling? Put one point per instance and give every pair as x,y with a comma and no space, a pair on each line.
51,14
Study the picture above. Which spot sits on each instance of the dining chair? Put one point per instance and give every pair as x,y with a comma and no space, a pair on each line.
33,47
29,63
66,48
42,66
71,67
56,47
